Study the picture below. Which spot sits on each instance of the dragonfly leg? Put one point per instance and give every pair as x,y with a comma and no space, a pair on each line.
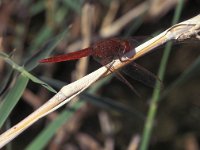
124,80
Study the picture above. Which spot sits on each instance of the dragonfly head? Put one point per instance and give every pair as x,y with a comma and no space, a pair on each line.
129,44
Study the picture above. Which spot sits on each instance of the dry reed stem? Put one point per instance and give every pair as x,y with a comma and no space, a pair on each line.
107,130
159,8
35,101
179,31
134,143
119,24
111,14
86,23
82,65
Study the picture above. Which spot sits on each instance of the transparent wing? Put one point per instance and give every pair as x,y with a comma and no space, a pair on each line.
141,74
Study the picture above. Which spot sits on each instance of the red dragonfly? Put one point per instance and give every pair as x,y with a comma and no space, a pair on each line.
106,51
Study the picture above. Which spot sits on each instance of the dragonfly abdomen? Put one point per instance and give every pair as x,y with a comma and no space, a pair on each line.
70,56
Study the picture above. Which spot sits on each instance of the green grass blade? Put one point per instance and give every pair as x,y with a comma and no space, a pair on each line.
37,7
156,94
12,98
111,105
14,95
61,14
45,136
74,5
44,34
38,81
23,71
44,51
6,80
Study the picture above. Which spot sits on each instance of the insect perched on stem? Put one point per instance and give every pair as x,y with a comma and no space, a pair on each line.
106,51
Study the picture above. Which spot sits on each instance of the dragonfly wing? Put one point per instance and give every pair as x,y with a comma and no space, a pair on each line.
124,80
141,74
